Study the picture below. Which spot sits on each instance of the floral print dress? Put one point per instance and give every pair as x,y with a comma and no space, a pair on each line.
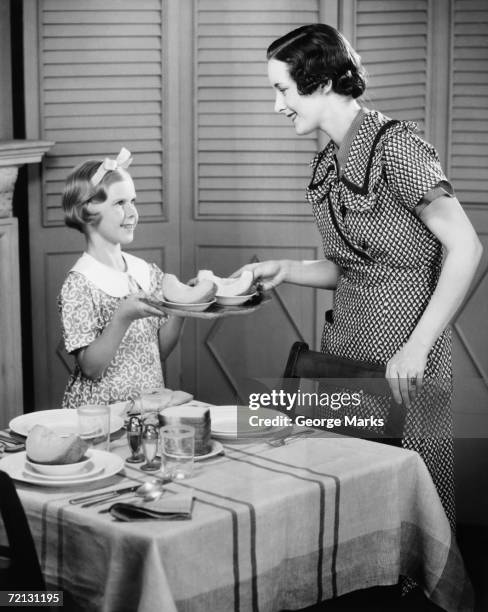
366,198
89,297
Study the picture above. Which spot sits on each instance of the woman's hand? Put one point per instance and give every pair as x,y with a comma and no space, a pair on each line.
132,308
271,273
405,372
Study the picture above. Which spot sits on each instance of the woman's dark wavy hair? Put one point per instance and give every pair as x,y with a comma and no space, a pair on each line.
79,192
318,53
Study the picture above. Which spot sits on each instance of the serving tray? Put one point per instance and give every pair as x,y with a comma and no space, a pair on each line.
215,311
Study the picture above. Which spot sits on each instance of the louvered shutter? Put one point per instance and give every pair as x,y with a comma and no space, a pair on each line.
250,162
469,111
101,89
391,38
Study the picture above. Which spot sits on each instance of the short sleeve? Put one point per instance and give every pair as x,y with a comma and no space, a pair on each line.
413,171
79,320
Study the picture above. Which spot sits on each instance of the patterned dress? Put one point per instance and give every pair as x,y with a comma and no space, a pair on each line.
367,211
89,297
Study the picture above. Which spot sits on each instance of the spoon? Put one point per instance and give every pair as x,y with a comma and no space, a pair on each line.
152,490
149,491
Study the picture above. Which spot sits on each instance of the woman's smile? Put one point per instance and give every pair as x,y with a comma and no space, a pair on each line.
306,112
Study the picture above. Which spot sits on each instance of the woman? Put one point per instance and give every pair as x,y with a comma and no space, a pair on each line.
386,212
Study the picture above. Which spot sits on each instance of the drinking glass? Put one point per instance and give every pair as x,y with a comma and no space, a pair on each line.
177,451
134,438
94,425
150,439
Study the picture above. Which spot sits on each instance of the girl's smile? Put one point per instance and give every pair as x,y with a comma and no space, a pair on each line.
117,214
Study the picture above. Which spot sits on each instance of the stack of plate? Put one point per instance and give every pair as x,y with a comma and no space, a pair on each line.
241,423
196,416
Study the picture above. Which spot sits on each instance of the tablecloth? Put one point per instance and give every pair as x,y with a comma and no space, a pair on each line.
273,528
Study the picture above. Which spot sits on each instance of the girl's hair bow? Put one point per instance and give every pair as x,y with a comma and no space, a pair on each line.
123,160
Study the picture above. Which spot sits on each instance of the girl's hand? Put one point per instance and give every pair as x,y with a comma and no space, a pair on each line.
132,308
405,372
271,273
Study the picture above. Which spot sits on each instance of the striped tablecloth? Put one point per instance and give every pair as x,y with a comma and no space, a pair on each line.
273,528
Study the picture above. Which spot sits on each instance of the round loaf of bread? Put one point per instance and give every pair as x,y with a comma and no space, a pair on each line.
43,445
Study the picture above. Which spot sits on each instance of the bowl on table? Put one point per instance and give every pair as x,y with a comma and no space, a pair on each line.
60,469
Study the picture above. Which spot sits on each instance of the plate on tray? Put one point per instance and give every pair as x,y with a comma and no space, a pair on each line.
104,465
234,300
215,310
232,422
60,420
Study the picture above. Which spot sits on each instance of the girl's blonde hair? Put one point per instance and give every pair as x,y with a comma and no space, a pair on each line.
79,191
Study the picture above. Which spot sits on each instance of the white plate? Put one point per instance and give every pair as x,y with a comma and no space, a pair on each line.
60,420
88,470
235,300
106,464
217,448
232,422
190,307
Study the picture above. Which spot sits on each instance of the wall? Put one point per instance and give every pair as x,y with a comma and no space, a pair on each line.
5,73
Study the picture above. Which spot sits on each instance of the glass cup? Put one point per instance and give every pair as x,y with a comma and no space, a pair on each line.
94,425
177,451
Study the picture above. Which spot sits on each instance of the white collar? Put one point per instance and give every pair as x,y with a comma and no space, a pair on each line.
113,282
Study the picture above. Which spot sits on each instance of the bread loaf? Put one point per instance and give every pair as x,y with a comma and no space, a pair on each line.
43,445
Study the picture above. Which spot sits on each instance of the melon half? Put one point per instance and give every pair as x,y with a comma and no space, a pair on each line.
43,445
229,287
179,293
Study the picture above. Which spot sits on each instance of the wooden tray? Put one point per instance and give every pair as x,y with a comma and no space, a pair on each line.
215,311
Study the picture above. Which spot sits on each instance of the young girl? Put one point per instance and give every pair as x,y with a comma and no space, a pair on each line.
118,341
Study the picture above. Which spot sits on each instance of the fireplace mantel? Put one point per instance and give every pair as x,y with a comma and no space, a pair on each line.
13,154
20,152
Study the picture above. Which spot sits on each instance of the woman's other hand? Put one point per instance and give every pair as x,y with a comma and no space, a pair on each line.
270,273
405,372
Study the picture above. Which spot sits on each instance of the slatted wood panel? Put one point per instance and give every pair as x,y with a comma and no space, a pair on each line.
469,110
101,76
250,163
391,38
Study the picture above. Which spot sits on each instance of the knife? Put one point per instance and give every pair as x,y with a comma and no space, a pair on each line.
103,494
104,500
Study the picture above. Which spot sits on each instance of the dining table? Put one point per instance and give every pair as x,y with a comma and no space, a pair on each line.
275,525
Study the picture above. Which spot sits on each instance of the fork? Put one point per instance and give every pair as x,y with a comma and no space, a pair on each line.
275,442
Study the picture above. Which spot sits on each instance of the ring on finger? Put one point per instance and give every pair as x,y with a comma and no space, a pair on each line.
412,381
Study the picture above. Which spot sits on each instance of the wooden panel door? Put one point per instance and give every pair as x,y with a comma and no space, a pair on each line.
247,185
95,81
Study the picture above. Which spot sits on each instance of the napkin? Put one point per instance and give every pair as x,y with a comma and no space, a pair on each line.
166,508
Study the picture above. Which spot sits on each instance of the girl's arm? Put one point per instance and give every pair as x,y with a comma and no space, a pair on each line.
320,274
95,358
169,334
448,222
